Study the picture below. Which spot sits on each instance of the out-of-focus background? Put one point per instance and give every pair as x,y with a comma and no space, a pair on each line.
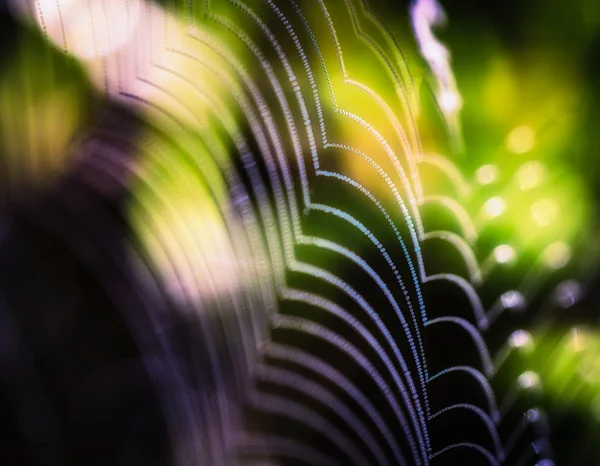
128,207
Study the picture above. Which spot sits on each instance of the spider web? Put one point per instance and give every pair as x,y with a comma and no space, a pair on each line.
309,296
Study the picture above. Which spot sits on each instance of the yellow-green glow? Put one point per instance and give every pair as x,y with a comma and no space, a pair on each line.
530,175
185,234
181,215
544,212
521,140
486,174
500,90
578,340
495,207
555,210
590,369
40,115
568,366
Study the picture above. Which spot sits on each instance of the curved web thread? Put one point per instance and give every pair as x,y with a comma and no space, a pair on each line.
270,147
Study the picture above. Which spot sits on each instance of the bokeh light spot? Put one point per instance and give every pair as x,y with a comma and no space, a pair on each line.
513,300
495,206
504,254
521,140
530,175
520,339
533,415
568,293
486,174
529,379
557,255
